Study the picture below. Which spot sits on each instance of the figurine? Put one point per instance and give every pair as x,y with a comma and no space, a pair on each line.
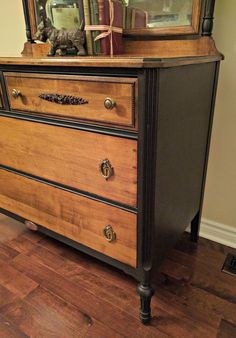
61,39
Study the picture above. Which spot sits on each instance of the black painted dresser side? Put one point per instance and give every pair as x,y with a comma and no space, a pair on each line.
185,115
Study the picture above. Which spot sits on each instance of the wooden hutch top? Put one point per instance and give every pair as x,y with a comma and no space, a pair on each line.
145,48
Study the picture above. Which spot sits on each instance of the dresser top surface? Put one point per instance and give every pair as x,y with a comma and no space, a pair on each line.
145,54
118,62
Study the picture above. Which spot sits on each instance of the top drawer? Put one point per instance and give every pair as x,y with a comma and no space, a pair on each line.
109,100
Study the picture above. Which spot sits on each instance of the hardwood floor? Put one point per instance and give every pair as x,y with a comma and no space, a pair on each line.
48,289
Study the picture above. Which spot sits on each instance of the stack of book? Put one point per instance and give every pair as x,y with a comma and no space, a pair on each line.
97,13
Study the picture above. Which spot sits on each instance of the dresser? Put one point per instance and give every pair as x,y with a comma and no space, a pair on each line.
109,154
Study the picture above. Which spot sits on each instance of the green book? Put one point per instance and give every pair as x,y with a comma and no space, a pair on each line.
87,23
128,17
94,13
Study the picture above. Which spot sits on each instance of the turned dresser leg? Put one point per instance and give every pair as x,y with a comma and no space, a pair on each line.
146,293
195,225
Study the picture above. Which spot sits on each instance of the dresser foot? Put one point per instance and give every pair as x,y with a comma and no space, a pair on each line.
146,293
195,225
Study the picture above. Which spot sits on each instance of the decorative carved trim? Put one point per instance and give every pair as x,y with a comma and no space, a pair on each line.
146,292
207,24
63,99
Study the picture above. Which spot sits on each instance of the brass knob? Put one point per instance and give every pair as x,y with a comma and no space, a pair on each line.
109,233
15,93
31,226
109,103
106,169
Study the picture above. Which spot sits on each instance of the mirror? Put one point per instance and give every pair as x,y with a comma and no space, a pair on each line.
62,13
140,17
162,13
150,16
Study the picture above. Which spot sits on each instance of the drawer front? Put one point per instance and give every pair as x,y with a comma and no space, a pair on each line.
71,157
34,92
78,218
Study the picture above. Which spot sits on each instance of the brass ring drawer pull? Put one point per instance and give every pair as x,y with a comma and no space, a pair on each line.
109,103
109,233
106,169
15,93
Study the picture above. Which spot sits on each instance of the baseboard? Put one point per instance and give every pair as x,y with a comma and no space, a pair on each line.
218,232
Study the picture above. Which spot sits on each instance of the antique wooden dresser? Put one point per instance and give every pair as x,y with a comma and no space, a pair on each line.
118,170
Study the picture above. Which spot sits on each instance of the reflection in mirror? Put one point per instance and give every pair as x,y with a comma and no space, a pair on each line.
158,13
39,6
64,14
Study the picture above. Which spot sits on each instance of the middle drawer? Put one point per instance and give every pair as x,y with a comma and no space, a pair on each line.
78,159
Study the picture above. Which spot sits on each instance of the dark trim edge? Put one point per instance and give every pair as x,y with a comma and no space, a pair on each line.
69,189
70,124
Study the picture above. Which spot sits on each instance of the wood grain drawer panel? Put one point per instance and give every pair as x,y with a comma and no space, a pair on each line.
78,218
92,88
71,157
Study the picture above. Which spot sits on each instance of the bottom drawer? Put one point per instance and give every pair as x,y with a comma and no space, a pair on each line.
78,218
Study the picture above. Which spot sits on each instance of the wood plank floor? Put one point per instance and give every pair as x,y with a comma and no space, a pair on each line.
48,289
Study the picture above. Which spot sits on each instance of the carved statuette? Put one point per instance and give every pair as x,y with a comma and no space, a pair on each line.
63,99
62,39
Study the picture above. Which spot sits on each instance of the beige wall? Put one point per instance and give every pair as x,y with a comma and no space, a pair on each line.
220,196
12,27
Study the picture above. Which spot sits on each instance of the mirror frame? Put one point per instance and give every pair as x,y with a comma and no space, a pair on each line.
32,17
193,29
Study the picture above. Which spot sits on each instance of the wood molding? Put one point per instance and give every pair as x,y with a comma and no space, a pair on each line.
217,232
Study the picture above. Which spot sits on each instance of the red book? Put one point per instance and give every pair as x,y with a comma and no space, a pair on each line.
104,19
138,18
